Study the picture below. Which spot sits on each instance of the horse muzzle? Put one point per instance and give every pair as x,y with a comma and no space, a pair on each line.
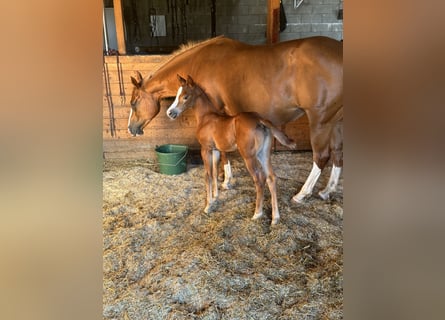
135,131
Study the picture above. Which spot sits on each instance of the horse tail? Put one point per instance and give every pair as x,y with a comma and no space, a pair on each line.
280,135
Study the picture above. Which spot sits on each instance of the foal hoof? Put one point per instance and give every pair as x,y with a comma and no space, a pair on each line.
207,209
298,198
226,186
275,221
257,215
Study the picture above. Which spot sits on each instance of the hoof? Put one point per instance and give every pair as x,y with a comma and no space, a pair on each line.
298,198
257,216
324,195
209,206
226,186
274,221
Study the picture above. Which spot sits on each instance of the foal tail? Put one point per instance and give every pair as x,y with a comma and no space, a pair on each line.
280,135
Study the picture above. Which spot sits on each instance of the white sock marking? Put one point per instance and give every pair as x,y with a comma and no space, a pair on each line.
332,183
227,175
309,184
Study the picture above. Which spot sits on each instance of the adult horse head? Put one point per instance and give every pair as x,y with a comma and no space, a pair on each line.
144,107
148,92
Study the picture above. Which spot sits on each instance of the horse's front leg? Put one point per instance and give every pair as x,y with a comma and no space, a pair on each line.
320,147
306,189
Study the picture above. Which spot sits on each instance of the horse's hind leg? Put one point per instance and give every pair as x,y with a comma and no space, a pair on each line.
337,161
320,147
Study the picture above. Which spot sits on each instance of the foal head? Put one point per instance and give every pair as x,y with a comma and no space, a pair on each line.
186,97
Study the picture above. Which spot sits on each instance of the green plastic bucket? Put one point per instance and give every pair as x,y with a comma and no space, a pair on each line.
172,158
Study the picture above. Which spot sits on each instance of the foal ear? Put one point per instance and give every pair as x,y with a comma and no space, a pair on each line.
139,76
181,80
190,81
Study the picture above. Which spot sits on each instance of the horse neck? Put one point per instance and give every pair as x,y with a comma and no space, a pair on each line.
162,86
164,82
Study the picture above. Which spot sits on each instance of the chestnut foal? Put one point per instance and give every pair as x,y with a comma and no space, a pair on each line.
217,132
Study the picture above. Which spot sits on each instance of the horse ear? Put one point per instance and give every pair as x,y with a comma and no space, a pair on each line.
190,81
181,80
139,75
135,82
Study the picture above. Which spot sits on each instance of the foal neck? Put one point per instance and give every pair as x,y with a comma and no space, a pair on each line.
203,106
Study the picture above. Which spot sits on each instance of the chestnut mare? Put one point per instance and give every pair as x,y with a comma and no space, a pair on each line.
216,132
280,82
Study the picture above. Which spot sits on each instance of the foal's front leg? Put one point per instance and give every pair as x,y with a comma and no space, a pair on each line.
207,159
215,162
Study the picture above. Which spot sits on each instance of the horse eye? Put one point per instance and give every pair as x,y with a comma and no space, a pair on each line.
185,97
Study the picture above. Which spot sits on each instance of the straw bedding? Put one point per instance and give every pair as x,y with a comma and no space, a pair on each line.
164,258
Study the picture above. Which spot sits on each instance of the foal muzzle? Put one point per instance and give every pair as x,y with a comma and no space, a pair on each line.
172,114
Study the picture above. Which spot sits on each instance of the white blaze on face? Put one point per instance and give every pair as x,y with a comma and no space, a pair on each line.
175,103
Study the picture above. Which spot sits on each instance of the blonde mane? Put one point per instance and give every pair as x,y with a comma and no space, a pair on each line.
182,49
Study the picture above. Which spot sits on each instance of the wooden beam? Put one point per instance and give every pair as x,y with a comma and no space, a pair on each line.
119,19
273,21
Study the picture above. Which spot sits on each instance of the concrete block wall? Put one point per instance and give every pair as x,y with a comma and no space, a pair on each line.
245,20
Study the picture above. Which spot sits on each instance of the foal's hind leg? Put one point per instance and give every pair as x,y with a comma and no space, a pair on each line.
225,171
259,179
264,159
337,159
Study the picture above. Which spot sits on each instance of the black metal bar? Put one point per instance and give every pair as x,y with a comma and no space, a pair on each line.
213,17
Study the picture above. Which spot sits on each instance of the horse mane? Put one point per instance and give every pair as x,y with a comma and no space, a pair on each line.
185,47
193,44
